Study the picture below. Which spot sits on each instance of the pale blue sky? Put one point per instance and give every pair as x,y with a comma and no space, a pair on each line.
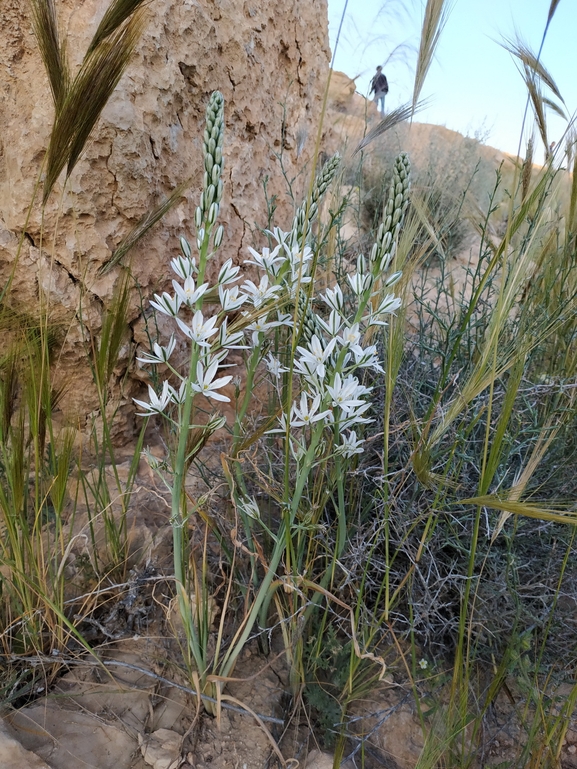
473,85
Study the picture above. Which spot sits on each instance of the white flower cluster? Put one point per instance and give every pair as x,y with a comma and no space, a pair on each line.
327,365
209,336
323,354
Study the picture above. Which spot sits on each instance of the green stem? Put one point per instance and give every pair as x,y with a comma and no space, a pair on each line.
282,544
177,518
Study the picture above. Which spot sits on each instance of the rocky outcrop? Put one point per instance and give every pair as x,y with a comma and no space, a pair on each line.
271,63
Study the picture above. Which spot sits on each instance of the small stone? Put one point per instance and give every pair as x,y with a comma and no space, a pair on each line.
161,749
318,760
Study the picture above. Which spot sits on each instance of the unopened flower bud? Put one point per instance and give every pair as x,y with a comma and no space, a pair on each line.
198,217
218,236
385,261
213,213
394,278
385,245
185,247
215,174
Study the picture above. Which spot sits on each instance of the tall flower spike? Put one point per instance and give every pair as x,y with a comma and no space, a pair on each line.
309,325
211,195
393,215
309,208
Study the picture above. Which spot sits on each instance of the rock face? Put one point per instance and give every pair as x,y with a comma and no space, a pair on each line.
271,63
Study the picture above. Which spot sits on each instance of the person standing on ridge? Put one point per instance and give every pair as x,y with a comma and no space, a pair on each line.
380,87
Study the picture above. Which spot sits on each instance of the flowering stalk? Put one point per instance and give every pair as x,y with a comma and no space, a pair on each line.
326,357
203,361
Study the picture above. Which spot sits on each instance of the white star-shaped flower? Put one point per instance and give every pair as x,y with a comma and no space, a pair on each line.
261,293
261,326
232,341
269,261
200,329
350,336
350,445
166,304
159,354
228,273
188,293
230,298
314,356
346,394
335,299
206,384
157,402
307,415
274,366
184,267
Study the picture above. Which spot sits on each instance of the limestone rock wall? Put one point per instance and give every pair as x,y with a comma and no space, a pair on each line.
270,60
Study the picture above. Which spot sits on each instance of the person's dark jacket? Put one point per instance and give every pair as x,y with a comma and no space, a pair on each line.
379,84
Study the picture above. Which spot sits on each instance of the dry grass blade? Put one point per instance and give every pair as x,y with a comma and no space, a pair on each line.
554,106
552,9
142,226
112,335
87,96
436,15
572,219
532,62
399,115
544,441
527,169
52,50
116,14
522,508
537,104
